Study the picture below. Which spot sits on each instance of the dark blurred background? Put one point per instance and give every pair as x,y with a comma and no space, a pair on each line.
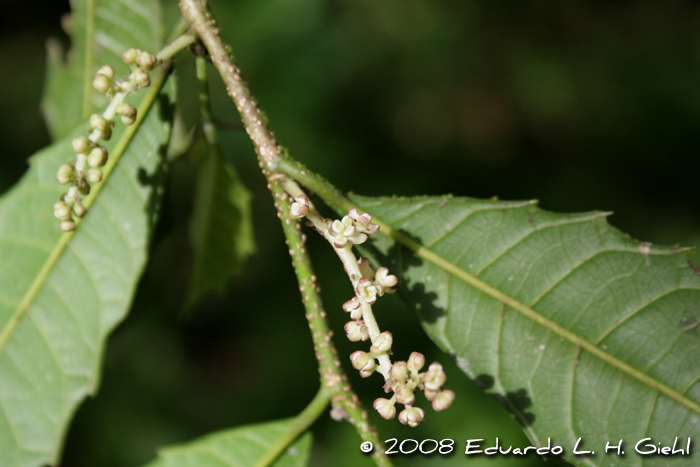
583,105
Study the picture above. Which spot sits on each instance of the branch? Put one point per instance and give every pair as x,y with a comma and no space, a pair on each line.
300,424
345,401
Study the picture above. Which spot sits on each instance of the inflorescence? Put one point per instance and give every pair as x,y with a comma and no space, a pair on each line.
90,155
401,377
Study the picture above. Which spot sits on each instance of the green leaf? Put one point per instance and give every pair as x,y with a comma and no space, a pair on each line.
579,331
62,293
100,30
239,447
221,227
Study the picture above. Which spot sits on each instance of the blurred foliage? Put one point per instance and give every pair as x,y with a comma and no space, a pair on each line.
585,105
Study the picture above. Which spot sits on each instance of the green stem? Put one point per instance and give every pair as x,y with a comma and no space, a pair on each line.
195,11
300,424
205,102
346,403
352,268
336,199
332,376
181,42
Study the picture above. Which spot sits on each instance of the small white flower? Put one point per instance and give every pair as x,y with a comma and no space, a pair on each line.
300,207
386,280
344,231
363,222
367,290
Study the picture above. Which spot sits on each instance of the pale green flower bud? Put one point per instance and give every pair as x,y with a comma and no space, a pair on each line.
128,120
67,225
367,372
64,174
435,377
359,359
356,331
106,70
126,110
415,362
146,60
102,83
61,211
412,416
94,175
107,133
97,157
98,122
141,77
79,210
430,394
364,362
81,145
84,188
399,372
443,400
131,55
385,407
383,342
404,395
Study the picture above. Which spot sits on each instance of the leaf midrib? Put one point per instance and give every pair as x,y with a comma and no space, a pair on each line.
451,268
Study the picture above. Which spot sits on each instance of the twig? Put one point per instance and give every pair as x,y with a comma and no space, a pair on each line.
269,152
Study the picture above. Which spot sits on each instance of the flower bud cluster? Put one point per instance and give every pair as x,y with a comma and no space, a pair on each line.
404,379
90,155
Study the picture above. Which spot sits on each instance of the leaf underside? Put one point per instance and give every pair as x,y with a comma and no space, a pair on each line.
100,30
639,303
50,362
239,447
